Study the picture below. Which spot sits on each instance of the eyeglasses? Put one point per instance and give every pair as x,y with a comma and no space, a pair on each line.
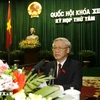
58,48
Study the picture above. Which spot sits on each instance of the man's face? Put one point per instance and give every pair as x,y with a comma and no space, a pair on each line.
60,50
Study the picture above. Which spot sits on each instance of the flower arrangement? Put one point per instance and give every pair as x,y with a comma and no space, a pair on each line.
29,44
16,85
87,53
13,80
6,78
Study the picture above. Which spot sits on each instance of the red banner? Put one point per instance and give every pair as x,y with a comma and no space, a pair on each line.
9,29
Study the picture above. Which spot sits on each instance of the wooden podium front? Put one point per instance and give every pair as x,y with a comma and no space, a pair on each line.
31,55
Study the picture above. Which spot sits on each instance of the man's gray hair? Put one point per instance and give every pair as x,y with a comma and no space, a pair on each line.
68,43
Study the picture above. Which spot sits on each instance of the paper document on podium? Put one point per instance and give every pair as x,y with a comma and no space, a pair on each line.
42,85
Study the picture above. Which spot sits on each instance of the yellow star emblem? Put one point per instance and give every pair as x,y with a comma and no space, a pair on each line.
9,24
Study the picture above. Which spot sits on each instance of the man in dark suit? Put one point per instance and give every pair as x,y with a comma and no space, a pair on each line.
71,70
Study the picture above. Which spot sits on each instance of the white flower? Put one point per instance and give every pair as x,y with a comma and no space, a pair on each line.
6,83
35,97
6,78
19,95
3,66
20,70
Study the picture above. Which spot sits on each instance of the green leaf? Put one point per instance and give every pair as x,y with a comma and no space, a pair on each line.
46,90
66,97
55,94
9,97
1,97
30,78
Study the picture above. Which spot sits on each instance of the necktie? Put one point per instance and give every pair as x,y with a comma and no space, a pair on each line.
59,69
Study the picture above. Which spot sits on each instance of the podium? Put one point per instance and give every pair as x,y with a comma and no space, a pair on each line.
31,55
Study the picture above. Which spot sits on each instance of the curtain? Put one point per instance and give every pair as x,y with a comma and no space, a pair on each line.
83,35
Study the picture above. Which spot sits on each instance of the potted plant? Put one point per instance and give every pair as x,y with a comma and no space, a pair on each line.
16,54
3,55
29,44
86,54
46,54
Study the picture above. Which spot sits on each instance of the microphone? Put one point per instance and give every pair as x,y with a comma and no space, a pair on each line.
51,73
38,66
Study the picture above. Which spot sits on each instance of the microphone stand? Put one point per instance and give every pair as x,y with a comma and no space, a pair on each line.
52,73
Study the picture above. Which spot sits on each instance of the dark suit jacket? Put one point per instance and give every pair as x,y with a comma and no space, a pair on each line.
70,76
